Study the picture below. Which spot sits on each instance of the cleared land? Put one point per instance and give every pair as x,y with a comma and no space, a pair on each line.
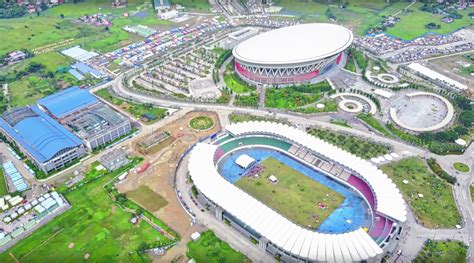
147,198
295,196
442,251
436,208
94,224
210,249
358,146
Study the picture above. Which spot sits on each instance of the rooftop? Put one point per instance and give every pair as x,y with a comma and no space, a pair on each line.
295,44
67,101
38,133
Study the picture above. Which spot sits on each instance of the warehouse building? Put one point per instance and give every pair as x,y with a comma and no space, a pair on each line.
46,143
89,118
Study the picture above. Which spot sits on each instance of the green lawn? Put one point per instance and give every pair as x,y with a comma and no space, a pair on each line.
412,24
3,184
236,85
374,123
288,98
355,145
136,109
210,249
436,209
147,198
295,196
442,251
94,225
194,5
471,189
201,123
461,167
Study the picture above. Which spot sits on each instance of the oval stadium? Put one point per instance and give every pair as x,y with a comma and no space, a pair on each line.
292,55
295,196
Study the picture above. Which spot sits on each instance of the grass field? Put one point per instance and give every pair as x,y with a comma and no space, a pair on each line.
201,123
288,98
94,225
436,209
442,252
295,196
194,5
461,167
3,184
137,110
471,189
147,198
358,146
236,85
210,249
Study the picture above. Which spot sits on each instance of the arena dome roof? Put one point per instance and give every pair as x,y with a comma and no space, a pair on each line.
294,44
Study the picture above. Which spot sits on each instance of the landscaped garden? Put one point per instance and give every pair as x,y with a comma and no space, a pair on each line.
430,198
201,123
240,117
461,167
94,228
294,196
233,82
442,252
295,97
210,249
357,146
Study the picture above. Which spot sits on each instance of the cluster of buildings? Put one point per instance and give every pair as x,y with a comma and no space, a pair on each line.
62,128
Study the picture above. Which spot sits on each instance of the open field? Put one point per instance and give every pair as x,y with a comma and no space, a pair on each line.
137,110
295,196
94,225
436,207
194,5
358,146
3,184
210,249
442,251
147,198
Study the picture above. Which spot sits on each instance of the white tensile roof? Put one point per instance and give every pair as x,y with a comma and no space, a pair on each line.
244,161
351,246
294,44
436,76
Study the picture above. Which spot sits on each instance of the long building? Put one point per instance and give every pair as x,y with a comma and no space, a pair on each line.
274,233
292,55
89,118
46,143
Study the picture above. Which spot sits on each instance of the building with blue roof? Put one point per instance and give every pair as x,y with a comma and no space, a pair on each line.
44,141
89,118
67,101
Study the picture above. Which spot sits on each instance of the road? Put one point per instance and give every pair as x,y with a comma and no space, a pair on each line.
415,234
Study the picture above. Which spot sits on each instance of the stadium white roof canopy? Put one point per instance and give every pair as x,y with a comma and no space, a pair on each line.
294,44
351,246
436,76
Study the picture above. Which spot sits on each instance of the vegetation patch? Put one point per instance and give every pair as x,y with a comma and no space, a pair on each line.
147,112
436,168
429,196
93,223
443,252
210,249
295,195
250,100
239,117
355,145
461,167
3,184
233,82
295,96
147,198
201,123
374,123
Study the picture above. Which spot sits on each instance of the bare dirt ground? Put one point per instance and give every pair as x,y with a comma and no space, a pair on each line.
160,176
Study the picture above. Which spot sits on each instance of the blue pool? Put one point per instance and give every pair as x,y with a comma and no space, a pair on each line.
350,215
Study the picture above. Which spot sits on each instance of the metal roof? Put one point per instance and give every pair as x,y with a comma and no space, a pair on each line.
67,101
40,135
294,44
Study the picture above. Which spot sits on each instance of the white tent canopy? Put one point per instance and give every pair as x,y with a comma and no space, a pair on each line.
244,161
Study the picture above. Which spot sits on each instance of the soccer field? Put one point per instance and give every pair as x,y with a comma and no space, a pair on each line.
295,196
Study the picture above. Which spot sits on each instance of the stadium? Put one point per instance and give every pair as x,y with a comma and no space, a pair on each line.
292,55
297,197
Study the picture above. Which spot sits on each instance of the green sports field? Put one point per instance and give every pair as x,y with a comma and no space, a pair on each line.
94,225
295,196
